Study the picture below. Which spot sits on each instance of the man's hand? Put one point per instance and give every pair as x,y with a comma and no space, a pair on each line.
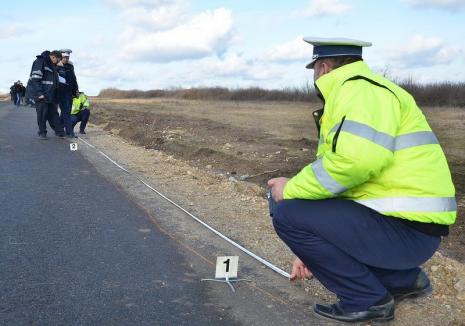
299,271
277,187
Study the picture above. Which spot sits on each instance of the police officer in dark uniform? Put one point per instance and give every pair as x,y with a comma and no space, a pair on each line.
21,93
41,88
13,93
67,88
17,92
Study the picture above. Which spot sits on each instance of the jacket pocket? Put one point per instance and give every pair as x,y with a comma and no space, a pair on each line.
336,135
317,116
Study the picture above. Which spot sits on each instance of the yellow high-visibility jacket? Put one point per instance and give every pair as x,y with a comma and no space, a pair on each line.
80,103
377,149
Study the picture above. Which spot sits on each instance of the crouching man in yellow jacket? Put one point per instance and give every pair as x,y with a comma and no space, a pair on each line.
80,112
375,203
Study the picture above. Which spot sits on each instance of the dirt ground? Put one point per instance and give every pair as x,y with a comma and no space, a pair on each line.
215,157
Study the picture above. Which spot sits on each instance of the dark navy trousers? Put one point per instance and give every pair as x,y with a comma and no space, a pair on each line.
65,100
48,112
354,251
82,116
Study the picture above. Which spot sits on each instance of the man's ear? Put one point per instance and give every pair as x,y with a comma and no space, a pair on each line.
326,67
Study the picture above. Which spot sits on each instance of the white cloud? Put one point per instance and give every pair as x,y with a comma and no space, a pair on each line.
237,66
321,8
440,4
99,68
207,33
295,50
424,51
126,4
231,65
12,31
156,18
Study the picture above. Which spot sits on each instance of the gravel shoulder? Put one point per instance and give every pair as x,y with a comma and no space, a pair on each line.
238,209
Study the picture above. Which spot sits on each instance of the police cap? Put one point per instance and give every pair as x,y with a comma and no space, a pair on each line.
66,52
334,47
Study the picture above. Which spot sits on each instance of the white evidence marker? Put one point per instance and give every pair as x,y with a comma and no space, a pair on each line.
73,146
226,271
226,267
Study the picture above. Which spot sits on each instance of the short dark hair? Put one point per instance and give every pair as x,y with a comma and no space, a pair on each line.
340,61
56,53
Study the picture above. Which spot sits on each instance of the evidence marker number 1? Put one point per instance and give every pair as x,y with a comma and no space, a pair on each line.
226,271
226,267
73,147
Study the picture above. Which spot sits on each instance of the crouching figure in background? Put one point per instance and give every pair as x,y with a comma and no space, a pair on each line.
80,112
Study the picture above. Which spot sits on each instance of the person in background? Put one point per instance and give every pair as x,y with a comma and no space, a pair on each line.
67,88
22,93
80,112
41,88
16,91
13,93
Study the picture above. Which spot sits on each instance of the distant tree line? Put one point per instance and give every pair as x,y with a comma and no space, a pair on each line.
437,94
305,93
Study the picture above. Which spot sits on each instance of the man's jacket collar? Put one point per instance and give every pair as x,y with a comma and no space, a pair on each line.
326,83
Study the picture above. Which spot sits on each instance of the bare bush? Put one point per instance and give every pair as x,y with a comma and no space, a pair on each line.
304,93
437,94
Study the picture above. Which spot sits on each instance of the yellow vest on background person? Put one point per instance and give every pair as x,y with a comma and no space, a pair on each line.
377,149
80,103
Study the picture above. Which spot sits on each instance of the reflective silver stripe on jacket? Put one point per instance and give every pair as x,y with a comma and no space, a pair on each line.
411,204
367,132
325,179
389,142
415,139
36,77
37,72
47,82
47,68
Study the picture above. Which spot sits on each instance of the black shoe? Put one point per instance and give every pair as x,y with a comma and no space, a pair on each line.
381,312
42,137
82,132
421,287
60,134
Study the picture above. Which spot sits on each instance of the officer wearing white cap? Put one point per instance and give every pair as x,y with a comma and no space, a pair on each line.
68,88
372,208
334,47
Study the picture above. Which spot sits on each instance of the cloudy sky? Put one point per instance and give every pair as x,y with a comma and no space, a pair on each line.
147,44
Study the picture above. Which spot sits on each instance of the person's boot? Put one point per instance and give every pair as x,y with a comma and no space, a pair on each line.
381,312
42,136
60,134
82,132
421,287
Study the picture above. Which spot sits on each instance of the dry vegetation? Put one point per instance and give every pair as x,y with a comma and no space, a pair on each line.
255,141
304,93
436,94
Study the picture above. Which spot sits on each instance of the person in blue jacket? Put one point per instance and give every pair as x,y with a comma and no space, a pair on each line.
67,88
41,88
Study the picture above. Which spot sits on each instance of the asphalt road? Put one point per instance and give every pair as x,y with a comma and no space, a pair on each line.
75,251
84,244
